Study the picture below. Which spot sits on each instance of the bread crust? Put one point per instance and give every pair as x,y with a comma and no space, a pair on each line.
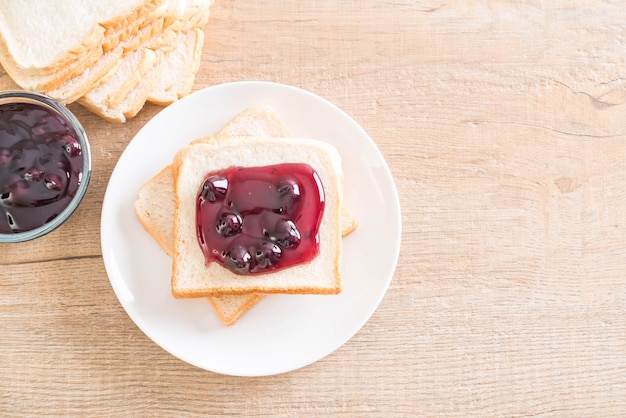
148,215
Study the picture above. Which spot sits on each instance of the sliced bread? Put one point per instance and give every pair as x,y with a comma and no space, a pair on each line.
151,36
109,95
155,203
89,52
193,277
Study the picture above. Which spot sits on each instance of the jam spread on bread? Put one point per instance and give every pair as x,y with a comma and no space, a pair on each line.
255,220
40,166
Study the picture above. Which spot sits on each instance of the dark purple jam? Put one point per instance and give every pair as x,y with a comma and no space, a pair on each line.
41,166
255,220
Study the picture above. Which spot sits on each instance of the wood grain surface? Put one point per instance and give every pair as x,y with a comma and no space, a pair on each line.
504,126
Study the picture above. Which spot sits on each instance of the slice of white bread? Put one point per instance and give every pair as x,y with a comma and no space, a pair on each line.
40,47
193,277
154,208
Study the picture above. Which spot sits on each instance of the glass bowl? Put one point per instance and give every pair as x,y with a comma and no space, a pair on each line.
39,137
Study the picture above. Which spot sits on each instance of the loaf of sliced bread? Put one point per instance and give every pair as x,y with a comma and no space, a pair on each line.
193,277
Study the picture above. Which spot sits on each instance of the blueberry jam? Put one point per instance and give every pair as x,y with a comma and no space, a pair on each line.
41,166
255,220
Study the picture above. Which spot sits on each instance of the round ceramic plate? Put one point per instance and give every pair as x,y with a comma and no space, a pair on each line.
282,332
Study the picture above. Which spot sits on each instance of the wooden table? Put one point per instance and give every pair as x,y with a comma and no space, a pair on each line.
504,126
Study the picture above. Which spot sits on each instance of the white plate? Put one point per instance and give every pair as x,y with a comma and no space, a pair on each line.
282,332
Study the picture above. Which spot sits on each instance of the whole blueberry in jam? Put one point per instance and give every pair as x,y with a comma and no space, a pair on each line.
267,254
238,259
41,166
214,188
255,220
229,224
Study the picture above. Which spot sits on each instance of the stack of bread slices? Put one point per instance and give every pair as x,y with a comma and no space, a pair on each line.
110,56
165,207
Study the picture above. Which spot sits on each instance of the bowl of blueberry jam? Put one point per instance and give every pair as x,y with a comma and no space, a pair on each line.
45,165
